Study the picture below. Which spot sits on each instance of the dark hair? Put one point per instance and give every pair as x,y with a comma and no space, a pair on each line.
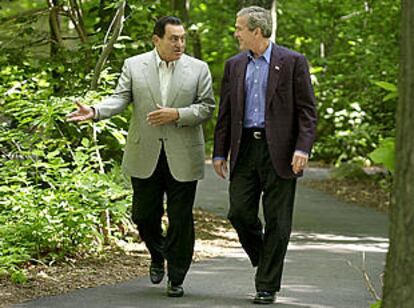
159,28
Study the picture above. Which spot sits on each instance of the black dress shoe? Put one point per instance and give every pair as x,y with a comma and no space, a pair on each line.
174,290
264,297
156,272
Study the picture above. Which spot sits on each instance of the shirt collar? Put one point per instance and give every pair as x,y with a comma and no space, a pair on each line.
161,61
266,55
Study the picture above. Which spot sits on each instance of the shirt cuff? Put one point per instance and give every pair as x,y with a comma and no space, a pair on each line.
301,153
95,114
218,158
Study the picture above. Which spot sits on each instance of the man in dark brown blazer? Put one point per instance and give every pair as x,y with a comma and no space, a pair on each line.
266,122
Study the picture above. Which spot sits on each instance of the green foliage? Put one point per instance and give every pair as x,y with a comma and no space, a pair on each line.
51,195
350,171
18,277
384,154
378,304
352,134
391,88
49,223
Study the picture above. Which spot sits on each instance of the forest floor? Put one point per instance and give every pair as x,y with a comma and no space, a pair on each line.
369,188
362,192
213,234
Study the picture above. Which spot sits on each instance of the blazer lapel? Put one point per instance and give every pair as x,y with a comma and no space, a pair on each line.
177,79
276,62
240,78
152,79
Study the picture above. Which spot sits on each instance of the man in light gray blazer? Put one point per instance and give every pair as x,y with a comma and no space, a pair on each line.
172,96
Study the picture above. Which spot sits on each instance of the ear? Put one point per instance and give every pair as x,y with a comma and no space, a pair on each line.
155,39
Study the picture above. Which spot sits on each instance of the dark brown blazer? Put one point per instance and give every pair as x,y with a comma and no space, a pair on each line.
290,112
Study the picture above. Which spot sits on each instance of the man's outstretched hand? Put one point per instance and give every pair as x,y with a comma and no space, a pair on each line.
82,114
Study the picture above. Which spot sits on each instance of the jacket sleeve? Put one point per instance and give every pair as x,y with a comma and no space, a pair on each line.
120,99
305,106
222,133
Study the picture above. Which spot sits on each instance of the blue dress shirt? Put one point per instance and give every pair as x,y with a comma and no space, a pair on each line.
255,86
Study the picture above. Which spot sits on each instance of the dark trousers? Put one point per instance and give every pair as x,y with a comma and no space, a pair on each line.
252,176
178,245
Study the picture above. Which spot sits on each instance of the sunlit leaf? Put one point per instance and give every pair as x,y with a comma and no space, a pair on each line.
385,154
387,86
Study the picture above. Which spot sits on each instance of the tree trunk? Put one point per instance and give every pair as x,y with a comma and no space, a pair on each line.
76,16
196,44
56,42
182,7
115,29
105,15
54,24
399,273
273,11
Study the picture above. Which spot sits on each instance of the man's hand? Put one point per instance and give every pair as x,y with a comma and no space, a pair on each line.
299,161
161,116
83,113
220,166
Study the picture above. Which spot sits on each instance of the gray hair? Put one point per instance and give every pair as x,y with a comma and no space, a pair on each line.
258,17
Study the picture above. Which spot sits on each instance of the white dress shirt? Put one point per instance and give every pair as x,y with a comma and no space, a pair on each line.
165,71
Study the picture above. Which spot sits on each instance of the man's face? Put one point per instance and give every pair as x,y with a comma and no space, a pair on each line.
245,37
172,45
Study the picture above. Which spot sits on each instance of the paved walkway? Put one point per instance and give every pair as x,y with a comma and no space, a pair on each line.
330,238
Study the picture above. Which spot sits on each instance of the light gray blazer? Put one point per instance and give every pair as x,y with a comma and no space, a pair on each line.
190,92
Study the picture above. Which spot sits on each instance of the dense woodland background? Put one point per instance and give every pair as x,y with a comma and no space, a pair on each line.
61,189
